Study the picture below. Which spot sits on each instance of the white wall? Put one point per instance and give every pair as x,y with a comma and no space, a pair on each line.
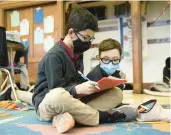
157,53
154,8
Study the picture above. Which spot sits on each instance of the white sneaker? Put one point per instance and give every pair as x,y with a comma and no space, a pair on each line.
156,113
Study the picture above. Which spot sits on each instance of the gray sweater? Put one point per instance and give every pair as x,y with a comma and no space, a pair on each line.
55,70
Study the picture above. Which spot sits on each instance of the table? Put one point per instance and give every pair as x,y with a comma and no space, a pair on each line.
13,46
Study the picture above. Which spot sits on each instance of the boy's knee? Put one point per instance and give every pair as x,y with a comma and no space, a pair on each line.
58,95
117,93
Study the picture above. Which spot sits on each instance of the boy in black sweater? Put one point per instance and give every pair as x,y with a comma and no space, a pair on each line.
58,89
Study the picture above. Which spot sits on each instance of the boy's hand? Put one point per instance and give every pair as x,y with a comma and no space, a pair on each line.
123,76
111,77
86,88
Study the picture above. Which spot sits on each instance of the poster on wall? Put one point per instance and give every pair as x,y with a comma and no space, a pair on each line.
107,29
38,35
15,18
24,27
38,15
127,37
49,24
48,43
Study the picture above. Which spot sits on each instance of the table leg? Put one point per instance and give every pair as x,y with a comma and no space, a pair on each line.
12,80
12,64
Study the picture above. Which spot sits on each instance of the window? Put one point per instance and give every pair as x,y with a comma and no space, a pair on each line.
99,12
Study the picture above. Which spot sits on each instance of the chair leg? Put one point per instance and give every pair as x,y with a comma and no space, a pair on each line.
11,82
3,84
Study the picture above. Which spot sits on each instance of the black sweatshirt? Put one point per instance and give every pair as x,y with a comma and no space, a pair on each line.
95,75
55,70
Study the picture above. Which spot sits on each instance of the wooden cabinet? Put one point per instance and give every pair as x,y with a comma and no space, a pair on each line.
26,11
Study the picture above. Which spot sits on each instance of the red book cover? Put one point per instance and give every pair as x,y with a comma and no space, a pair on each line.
106,83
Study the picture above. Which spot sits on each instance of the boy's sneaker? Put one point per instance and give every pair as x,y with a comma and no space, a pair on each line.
120,114
130,113
63,122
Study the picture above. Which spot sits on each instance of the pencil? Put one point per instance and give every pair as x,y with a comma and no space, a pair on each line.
144,107
83,76
167,78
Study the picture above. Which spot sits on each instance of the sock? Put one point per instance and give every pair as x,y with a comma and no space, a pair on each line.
103,116
109,117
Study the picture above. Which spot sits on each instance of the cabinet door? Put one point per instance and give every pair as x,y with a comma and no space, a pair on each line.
36,51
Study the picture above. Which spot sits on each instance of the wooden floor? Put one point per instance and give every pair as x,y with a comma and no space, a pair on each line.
140,98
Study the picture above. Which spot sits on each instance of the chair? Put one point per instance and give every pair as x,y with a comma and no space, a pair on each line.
4,64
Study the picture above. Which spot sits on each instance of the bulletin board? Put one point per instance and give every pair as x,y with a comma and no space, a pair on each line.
36,49
41,34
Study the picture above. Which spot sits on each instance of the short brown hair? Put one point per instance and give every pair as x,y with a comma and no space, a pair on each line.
109,44
81,19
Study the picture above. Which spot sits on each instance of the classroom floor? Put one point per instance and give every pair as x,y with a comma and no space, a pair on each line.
27,123
140,98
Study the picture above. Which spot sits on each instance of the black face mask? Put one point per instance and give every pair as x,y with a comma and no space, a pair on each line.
80,46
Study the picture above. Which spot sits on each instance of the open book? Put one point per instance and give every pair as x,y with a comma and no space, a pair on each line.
106,83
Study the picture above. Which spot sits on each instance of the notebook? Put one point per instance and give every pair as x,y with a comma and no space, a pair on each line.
107,83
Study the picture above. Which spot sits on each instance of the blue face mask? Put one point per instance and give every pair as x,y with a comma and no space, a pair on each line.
109,68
